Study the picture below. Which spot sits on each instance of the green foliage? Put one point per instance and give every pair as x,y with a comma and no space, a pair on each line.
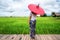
44,25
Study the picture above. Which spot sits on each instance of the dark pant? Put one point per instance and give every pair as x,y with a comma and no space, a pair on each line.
32,28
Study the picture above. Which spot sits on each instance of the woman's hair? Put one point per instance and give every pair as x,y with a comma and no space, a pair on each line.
33,13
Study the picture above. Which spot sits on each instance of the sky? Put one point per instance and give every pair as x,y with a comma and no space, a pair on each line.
20,7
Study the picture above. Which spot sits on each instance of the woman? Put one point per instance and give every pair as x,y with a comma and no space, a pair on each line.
32,21
36,10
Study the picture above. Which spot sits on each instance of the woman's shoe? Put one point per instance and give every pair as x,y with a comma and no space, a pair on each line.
32,37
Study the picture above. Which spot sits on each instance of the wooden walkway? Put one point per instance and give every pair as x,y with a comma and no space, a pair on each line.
27,37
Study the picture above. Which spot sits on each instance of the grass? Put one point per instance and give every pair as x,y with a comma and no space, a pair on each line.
20,25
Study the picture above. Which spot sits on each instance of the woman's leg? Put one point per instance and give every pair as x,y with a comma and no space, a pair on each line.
32,28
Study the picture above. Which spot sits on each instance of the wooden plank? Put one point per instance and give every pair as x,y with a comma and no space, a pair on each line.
37,37
9,38
1,36
53,37
23,37
43,37
18,37
46,37
49,37
27,37
12,37
57,37
4,37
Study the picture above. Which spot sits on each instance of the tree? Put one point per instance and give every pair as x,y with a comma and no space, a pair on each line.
44,15
53,14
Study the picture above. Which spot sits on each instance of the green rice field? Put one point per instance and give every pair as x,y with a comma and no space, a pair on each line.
20,25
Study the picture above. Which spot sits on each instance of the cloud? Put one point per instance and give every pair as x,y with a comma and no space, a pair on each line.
20,7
